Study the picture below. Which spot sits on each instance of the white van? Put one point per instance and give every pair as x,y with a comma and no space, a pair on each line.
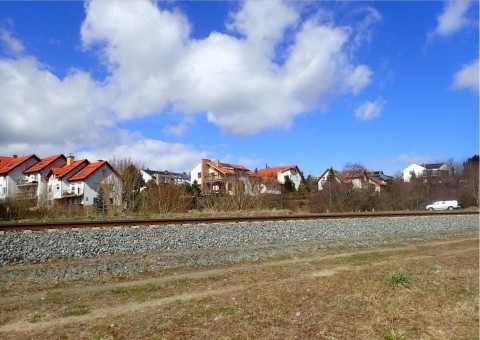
443,205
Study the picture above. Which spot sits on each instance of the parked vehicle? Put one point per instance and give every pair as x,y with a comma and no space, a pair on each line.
443,205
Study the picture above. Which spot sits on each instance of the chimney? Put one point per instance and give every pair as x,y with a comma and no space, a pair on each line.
70,159
217,162
14,156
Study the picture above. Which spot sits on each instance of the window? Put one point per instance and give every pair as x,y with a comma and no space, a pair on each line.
199,175
57,188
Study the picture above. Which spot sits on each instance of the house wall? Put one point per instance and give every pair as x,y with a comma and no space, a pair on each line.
194,174
294,175
270,189
42,189
414,168
324,179
91,183
146,177
8,183
58,186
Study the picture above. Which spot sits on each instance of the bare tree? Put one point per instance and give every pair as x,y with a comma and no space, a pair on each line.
132,181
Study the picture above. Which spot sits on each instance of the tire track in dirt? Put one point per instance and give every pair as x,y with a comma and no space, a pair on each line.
25,326
231,270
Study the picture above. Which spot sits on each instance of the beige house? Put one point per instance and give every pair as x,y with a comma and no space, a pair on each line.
215,177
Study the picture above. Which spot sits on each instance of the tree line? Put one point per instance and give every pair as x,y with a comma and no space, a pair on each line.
140,198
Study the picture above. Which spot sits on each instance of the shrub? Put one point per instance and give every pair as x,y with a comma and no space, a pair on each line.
399,280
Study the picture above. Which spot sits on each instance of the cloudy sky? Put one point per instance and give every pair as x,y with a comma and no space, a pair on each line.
316,84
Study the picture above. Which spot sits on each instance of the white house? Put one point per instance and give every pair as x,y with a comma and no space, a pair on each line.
11,174
34,179
358,180
165,177
59,189
279,174
215,177
84,185
426,171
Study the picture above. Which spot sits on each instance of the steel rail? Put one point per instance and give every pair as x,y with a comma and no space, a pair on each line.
22,226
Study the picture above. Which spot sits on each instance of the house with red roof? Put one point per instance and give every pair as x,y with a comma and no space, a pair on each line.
84,185
358,180
215,177
59,189
274,178
33,183
11,174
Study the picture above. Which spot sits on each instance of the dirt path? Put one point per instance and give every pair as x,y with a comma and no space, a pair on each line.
20,327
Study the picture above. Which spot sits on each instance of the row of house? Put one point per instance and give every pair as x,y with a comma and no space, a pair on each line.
56,179
60,179
217,177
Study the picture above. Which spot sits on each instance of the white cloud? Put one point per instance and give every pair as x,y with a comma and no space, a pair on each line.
370,110
453,18
154,154
236,78
467,77
11,44
271,66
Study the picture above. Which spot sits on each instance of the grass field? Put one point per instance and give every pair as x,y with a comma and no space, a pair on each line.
424,290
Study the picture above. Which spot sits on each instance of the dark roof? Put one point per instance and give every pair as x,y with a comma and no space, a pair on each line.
178,175
433,166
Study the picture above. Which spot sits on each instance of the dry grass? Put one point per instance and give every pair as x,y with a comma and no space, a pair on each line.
320,295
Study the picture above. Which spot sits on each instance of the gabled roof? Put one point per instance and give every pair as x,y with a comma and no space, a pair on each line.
44,163
9,163
433,166
375,180
273,172
66,169
227,168
335,173
152,173
88,170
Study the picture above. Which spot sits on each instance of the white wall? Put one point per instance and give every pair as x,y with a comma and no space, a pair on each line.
294,175
90,185
9,182
414,168
194,174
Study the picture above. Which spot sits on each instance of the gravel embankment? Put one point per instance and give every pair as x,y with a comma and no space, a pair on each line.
53,257
41,246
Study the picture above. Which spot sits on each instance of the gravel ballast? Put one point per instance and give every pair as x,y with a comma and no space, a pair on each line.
45,245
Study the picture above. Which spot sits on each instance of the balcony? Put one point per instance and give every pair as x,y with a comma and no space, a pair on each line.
26,195
25,182
71,193
215,178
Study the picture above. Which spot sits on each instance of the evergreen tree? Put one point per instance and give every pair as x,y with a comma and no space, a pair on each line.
288,185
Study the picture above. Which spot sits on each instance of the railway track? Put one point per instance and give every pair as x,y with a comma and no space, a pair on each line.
8,227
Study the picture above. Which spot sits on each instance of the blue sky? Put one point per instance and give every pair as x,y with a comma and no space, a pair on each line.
316,84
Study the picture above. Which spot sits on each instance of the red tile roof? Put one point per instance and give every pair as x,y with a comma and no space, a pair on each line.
66,169
273,172
9,163
227,168
44,163
88,170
